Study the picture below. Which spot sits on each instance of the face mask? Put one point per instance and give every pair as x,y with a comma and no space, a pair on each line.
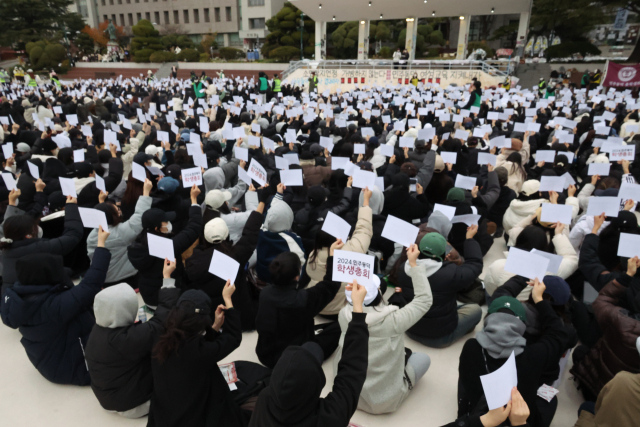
169,227
39,232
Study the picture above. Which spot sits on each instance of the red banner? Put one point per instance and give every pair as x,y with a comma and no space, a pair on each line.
621,76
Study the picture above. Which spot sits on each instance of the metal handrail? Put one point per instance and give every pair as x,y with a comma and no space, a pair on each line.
369,64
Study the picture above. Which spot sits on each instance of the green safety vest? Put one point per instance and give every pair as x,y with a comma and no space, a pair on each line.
197,87
542,83
56,81
276,85
33,82
478,101
3,76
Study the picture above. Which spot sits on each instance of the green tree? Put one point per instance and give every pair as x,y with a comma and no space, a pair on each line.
632,6
30,20
568,19
176,40
45,56
285,30
145,42
85,43
344,40
426,37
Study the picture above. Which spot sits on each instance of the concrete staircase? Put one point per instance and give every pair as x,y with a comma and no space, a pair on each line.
165,70
529,74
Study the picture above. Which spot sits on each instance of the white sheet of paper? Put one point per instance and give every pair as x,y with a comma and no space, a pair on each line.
629,245
449,157
241,153
349,266
138,172
191,176
406,141
359,148
281,163
400,231
487,159
626,152
610,206
556,213
93,218
336,227
546,156
244,176
9,181
78,156
466,182
552,183
160,247
629,191
291,177
291,158
469,219
601,169
363,179
526,264
386,150
100,183
7,150
257,172
33,170
223,266
554,260
448,211
68,187
498,384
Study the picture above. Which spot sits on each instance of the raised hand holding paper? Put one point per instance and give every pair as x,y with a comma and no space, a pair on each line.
466,182
93,218
498,384
67,186
349,266
291,177
526,264
556,213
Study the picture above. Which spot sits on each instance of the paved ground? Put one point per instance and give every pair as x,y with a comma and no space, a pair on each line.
27,399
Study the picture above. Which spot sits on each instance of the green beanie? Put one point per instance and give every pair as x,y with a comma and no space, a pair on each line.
511,304
433,245
455,195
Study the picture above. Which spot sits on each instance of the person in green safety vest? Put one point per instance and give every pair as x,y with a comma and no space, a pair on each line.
551,90
54,78
198,88
32,78
507,84
475,100
542,85
4,76
585,79
276,84
313,82
263,86
595,79
150,76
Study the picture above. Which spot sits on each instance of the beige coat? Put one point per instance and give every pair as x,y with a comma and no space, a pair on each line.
618,404
516,179
359,242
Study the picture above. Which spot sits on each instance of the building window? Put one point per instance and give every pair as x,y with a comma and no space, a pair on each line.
106,18
196,16
119,1
176,17
256,2
185,14
113,19
138,17
104,2
256,23
111,2
474,31
216,12
137,1
207,18
131,19
234,40
122,19
166,17
128,1
220,39
228,12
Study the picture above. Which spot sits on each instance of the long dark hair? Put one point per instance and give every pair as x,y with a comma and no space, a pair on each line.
134,190
182,325
322,240
516,168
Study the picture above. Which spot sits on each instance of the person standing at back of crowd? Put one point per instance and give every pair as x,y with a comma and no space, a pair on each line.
264,86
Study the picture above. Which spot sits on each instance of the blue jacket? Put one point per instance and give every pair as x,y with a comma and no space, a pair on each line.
270,245
55,322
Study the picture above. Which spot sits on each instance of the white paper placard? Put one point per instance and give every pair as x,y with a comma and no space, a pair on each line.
100,183
223,266
7,150
241,153
349,266
257,172
469,219
336,227
93,218
629,245
160,247
9,181
364,179
400,231
466,182
498,384
546,156
449,157
610,206
601,169
191,176
291,177
448,211
33,170
629,191
552,183
138,172
67,186
554,260
556,213
526,264
244,176
626,152
487,159
78,156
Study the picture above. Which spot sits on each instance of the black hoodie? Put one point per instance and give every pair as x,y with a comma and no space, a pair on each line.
292,398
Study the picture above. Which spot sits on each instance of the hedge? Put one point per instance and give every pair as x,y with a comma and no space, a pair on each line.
230,53
162,56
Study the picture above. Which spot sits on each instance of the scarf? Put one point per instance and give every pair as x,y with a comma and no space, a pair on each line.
502,334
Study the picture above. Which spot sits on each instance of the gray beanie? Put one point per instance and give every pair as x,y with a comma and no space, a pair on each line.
264,123
23,147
